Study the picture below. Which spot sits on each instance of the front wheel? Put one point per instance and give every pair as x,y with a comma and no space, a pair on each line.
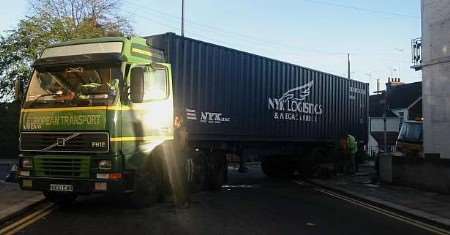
148,183
60,198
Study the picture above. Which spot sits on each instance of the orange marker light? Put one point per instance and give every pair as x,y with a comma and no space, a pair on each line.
115,176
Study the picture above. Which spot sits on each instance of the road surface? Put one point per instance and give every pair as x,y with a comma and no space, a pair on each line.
250,204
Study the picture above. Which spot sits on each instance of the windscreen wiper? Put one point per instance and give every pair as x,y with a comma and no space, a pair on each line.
43,95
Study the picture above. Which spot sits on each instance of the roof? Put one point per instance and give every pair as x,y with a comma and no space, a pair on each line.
376,106
89,40
398,97
402,96
379,137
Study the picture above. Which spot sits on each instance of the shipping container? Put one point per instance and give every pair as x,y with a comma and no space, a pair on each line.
231,95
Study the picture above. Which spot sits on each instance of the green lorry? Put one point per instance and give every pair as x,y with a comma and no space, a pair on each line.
88,125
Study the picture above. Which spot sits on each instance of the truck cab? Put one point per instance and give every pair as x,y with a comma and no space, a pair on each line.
93,110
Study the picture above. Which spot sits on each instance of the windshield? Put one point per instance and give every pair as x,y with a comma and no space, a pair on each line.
73,85
411,132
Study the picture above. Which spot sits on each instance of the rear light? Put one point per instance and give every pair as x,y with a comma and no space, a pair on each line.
109,176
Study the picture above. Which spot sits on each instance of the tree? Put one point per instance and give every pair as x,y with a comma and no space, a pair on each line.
54,21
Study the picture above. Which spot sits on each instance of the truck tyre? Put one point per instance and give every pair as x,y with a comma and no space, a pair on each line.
217,170
63,199
310,163
148,184
267,166
278,167
196,171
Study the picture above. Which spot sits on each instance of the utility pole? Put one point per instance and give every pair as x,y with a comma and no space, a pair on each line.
385,111
182,18
386,108
385,126
348,65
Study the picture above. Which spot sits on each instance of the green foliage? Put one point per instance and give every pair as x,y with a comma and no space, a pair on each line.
53,21
9,124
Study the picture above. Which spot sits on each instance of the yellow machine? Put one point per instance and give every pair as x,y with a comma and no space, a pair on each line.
410,139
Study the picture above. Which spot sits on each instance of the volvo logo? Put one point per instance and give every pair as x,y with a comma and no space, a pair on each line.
60,142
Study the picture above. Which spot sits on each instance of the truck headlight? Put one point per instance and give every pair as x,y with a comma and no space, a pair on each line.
105,165
27,163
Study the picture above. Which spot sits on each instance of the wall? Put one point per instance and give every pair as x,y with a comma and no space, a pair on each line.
426,174
377,124
405,115
436,76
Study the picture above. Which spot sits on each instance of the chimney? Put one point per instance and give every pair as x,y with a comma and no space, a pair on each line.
378,86
392,82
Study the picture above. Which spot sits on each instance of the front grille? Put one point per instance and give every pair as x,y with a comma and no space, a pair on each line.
58,166
88,142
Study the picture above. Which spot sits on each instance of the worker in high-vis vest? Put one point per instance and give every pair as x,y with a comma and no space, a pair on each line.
352,148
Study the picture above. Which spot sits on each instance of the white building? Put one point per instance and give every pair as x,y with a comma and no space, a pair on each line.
435,66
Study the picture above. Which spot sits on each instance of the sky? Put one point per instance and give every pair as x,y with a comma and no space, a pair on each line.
312,33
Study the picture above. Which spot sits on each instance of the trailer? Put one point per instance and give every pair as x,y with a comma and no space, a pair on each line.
286,114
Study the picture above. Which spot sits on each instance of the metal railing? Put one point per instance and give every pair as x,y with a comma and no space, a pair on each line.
374,150
416,53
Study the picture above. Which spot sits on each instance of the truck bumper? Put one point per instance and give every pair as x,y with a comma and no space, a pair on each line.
78,186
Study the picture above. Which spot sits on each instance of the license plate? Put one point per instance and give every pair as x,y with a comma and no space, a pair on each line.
61,187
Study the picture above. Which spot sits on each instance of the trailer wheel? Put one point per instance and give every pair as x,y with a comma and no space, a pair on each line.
267,166
310,164
278,167
63,199
217,170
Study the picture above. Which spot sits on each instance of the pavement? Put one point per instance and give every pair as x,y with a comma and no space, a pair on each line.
5,166
250,203
429,206
13,200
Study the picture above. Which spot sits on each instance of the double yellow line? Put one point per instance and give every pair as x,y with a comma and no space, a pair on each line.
391,214
27,220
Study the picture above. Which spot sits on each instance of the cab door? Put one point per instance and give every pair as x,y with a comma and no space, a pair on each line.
147,120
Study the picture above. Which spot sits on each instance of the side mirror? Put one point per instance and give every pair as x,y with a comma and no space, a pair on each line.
137,85
18,87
